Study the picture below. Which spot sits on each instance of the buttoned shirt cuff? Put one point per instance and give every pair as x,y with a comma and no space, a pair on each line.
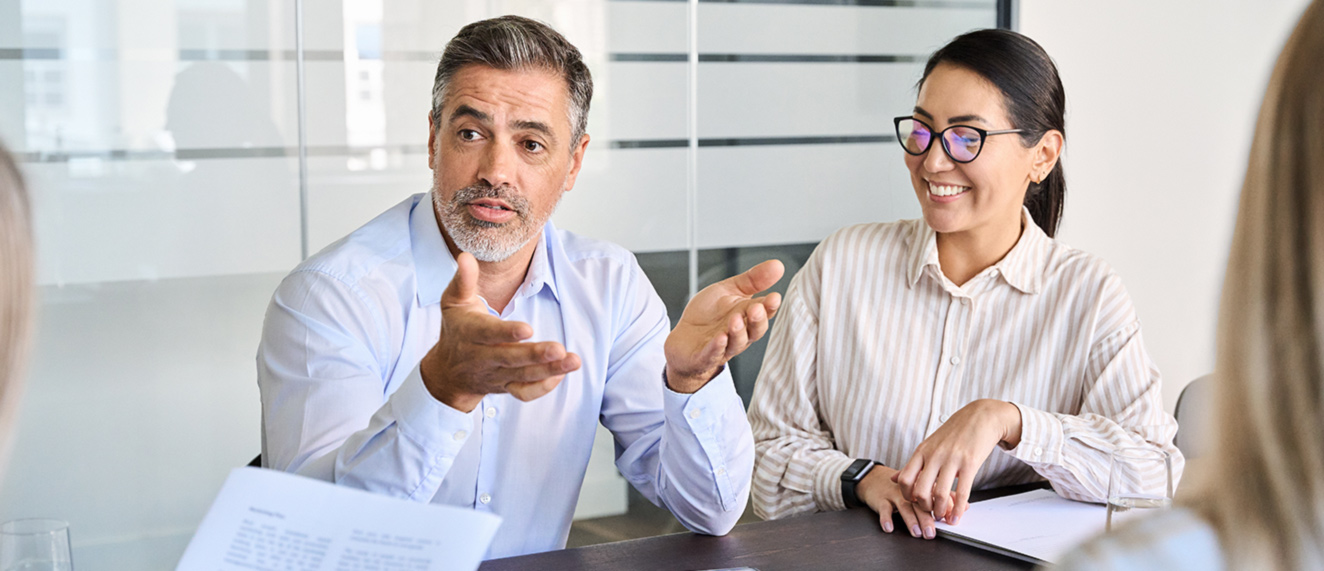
439,429
827,482
1041,437
701,409
706,412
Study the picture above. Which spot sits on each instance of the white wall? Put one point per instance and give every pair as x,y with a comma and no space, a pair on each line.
1161,103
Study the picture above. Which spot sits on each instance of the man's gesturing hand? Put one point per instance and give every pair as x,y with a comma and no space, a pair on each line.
719,323
479,354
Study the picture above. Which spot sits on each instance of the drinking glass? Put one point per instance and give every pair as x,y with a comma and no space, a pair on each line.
1140,479
35,545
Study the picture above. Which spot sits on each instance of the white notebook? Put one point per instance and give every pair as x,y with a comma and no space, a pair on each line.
1037,526
265,519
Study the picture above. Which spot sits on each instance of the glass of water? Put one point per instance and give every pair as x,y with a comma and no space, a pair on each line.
1140,481
35,545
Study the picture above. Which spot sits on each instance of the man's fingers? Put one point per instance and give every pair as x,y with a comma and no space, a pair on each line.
514,355
714,350
756,320
758,278
533,390
463,288
484,329
737,336
771,302
540,371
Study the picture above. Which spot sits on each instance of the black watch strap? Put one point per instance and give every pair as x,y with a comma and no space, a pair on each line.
850,479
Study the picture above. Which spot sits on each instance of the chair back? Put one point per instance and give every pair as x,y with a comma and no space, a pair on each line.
1195,417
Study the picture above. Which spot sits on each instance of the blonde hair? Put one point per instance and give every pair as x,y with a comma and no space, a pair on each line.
16,291
1266,498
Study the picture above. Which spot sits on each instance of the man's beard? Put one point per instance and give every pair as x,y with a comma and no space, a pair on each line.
488,241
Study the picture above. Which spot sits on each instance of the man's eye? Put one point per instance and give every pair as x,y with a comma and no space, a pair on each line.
532,146
468,134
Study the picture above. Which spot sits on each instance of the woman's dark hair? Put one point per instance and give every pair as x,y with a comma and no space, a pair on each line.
1032,93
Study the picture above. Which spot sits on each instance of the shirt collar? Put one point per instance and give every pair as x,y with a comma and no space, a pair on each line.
923,252
434,266
540,268
1021,267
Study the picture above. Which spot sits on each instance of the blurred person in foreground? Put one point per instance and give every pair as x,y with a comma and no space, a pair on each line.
459,349
16,293
1263,507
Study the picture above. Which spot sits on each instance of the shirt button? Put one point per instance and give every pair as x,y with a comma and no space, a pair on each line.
1038,451
491,412
459,435
956,360
965,301
944,418
695,413
485,498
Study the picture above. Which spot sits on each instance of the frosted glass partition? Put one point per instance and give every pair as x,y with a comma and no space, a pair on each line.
161,141
858,28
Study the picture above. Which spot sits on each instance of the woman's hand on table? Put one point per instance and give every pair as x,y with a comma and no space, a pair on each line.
881,494
953,455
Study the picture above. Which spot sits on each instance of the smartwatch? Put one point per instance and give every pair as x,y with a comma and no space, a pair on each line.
851,478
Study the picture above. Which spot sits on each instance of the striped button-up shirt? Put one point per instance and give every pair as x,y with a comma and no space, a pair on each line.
874,348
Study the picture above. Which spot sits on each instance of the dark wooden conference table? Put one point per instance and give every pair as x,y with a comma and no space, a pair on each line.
848,540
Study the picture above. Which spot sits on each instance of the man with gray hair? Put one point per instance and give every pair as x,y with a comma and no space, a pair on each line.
459,349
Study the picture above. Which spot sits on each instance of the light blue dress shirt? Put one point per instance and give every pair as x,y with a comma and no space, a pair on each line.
343,400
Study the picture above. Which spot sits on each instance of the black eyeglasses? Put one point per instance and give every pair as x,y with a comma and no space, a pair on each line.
961,142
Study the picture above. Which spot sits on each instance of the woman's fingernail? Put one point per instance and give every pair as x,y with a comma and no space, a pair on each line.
914,530
956,520
929,533
887,526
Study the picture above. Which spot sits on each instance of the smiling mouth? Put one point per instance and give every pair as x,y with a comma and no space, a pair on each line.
946,189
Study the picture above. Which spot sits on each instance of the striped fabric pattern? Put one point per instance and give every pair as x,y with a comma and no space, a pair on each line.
874,348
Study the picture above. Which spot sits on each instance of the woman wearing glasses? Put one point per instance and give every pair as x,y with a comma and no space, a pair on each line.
917,360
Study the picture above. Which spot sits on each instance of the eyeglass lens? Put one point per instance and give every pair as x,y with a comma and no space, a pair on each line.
961,143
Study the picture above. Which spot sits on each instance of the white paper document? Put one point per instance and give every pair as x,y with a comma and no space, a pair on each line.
265,520
1037,526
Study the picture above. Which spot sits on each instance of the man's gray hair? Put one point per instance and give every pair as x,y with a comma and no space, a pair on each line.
516,43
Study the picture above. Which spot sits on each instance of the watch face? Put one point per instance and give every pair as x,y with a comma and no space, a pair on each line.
856,468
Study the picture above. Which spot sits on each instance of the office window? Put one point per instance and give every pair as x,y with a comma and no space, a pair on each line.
161,140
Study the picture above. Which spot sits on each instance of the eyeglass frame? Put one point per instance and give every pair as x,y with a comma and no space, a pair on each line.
983,134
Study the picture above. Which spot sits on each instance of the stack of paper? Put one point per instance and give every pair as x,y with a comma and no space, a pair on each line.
269,520
1037,526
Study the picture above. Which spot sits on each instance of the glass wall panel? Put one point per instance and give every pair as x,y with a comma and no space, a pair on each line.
162,143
